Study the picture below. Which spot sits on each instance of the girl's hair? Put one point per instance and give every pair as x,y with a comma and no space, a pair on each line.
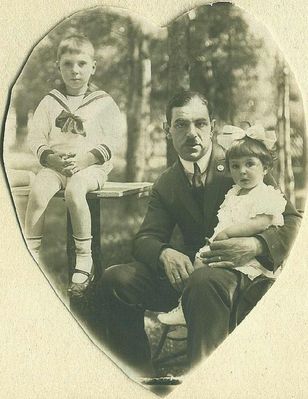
75,44
249,147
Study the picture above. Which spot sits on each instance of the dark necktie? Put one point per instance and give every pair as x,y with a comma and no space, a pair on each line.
197,185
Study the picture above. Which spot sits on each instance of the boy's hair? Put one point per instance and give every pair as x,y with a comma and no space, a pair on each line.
249,147
182,98
75,44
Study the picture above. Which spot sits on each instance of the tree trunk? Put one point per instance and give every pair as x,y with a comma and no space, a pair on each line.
138,114
286,176
178,66
289,176
280,132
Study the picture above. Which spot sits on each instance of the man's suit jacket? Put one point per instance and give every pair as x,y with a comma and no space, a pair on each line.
172,203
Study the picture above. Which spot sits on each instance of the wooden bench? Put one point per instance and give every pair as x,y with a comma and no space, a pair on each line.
111,190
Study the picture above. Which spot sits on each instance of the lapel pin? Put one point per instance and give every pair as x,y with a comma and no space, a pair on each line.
220,167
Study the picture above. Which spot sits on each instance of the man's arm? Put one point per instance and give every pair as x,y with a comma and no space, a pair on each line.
152,244
270,247
252,227
155,232
278,240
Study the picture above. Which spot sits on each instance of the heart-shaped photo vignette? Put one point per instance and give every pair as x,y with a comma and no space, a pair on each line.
107,95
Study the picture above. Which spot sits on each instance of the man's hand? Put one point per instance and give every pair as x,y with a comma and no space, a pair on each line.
233,252
177,267
221,236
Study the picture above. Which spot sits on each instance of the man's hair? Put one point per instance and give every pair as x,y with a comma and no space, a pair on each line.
182,98
75,44
246,147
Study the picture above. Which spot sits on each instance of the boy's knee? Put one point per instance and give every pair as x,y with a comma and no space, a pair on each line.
75,191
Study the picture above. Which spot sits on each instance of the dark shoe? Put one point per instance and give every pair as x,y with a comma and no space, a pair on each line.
79,289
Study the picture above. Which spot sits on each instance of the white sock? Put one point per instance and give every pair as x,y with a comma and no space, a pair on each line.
34,245
83,258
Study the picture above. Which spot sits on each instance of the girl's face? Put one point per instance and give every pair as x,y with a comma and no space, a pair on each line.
247,171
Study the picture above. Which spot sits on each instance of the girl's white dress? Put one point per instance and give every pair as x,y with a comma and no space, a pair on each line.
235,209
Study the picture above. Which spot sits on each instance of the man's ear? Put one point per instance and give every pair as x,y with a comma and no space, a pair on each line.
166,129
213,123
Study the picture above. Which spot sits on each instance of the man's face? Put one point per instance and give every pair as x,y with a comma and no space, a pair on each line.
190,130
76,70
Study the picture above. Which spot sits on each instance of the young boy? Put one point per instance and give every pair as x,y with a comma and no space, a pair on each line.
73,133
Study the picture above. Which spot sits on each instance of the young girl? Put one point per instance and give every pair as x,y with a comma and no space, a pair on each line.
250,206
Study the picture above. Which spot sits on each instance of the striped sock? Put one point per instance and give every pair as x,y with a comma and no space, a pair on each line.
83,257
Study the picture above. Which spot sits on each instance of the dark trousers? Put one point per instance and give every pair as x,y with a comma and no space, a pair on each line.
210,303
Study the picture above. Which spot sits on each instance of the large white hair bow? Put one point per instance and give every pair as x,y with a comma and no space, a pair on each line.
231,133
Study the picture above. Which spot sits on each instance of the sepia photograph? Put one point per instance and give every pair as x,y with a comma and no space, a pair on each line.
158,177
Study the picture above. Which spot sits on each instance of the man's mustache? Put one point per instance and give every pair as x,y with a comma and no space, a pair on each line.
193,142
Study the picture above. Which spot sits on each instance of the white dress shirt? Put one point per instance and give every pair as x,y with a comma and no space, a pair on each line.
203,164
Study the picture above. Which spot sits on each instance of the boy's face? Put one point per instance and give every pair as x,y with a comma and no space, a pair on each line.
76,70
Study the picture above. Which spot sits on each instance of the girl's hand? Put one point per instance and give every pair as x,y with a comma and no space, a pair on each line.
198,263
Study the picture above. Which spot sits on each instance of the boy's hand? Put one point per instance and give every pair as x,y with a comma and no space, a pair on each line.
57,162
83,161
78,162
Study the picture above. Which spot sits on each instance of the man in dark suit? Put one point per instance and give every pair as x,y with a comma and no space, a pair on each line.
188,195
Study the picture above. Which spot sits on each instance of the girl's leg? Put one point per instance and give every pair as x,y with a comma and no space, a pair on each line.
46,184
75,195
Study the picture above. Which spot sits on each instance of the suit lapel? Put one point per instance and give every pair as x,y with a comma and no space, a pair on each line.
214,184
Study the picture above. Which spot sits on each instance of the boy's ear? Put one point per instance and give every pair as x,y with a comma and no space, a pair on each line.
93,67
166,129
